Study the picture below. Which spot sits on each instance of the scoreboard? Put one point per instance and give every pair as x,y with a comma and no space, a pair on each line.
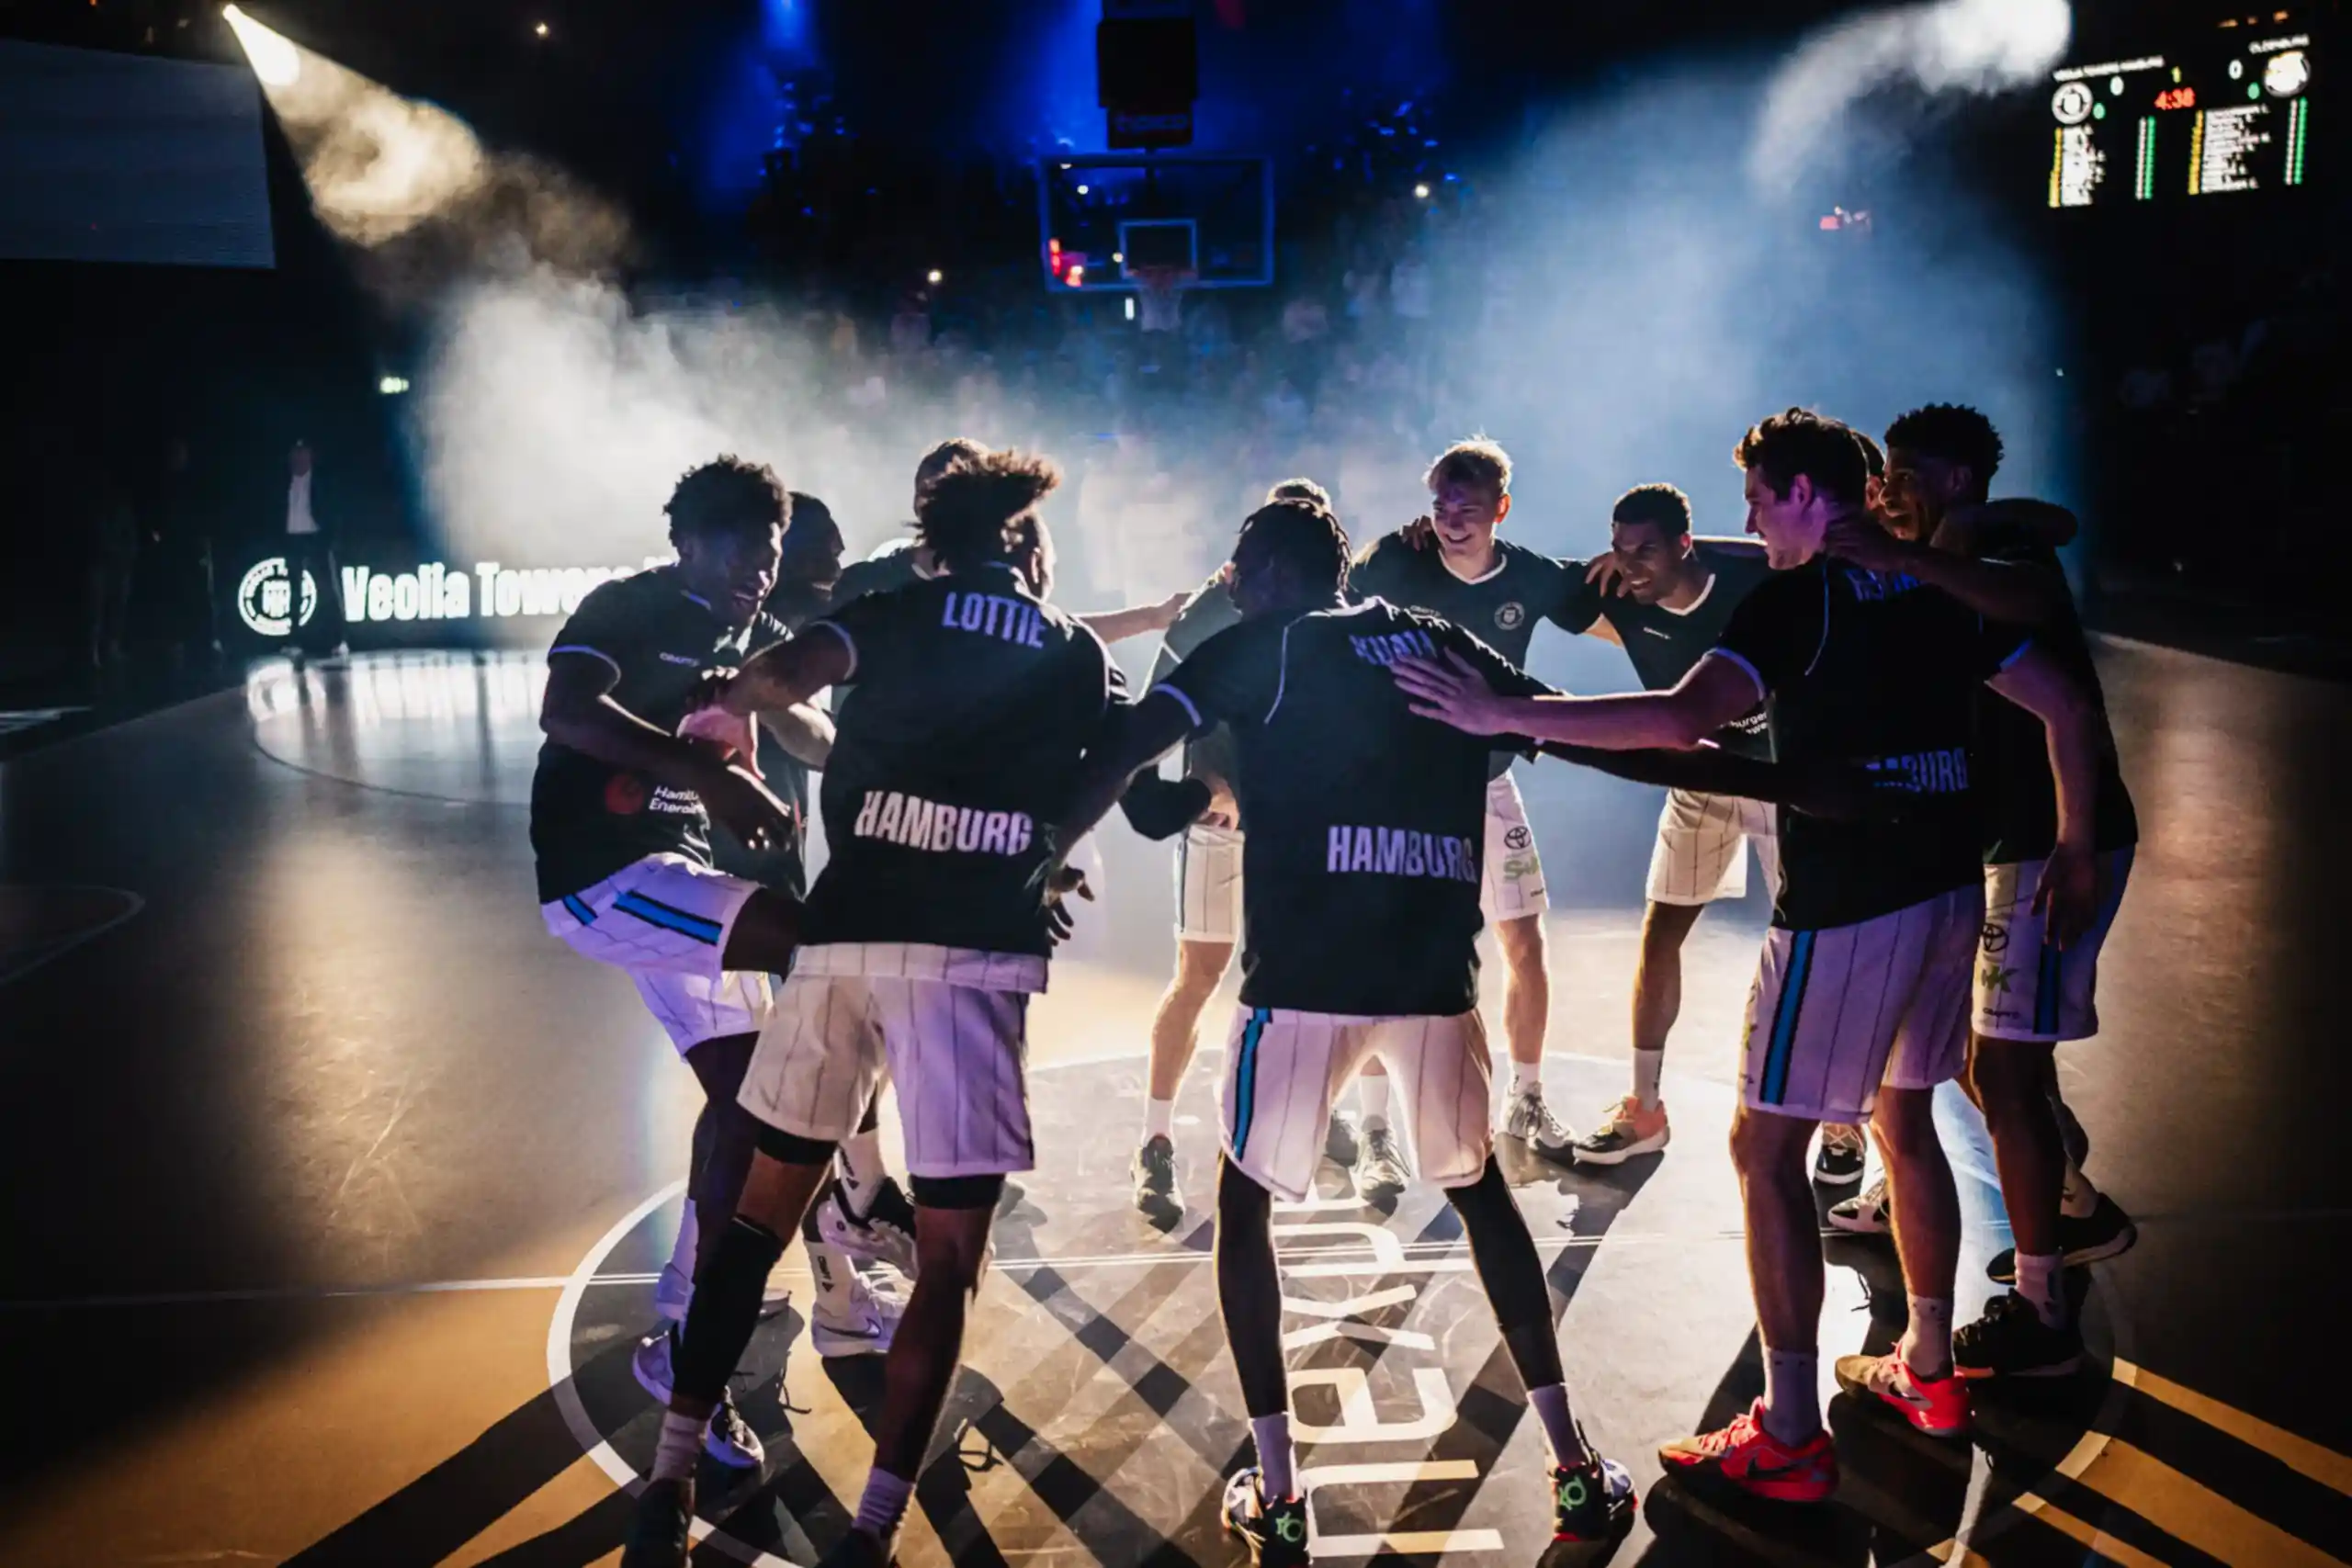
2229,117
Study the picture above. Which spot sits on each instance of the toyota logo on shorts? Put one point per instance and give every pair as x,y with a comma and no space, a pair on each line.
1517,838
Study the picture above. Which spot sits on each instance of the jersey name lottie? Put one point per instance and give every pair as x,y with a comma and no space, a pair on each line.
941,829
1401,852
1390,647
995,615
1924,772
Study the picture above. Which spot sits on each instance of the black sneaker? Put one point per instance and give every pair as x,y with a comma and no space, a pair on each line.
659,1531
1838,1161
857,1549
1274,1532
2011,1341
1339,1140
2106,1231
730,1439
1592,1501
1155,1173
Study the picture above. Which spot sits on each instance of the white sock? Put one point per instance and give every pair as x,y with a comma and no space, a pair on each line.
1527,1077
1373,1092
2037,1282
1560,1434
1647,1065
1793,1395
2078,1200
1276,1462
836,1278
885,1502
675,1448
1926,1343
860,1168
1159,1120
682,1255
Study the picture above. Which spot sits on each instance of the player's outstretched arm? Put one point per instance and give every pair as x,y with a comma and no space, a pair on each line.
782,674
1452,692
2045,521
2079,737
1143,734
805,733
1137,620
578,711
2018,593
1835,791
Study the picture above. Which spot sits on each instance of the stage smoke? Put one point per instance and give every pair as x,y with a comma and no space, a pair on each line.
1968,46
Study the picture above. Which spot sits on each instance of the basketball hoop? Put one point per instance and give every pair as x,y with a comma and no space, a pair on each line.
1159,304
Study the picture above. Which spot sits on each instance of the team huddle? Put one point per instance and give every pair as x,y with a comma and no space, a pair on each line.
1890,702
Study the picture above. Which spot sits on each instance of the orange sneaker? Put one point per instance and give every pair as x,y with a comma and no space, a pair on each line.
1751,1459
1938,1406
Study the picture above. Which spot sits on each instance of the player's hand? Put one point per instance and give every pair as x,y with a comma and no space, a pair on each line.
2067,899
736,736
1864,542
1419,534
739,803
1451,693
1163,615
1061,883
1224,812
1602,572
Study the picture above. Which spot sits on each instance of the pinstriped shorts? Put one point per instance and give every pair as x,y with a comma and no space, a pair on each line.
664,919
1836,1013
1701,850
950,1025
1285,1069
2027,989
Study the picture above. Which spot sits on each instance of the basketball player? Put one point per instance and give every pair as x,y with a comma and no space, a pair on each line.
1362,880
1208,924
1496,590
621,807
2031,992
922,941
1860,1002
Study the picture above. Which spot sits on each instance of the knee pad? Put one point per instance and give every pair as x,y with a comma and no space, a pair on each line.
956,1192
791,1148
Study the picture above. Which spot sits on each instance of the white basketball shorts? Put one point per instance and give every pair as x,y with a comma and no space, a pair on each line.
2027,989
1283,1070
1701,850
1513,883
664,920
1835,1013
1208,885
951,1026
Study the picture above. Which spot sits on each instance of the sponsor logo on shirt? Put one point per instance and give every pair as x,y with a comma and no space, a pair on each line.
939,828
624,795
1922,772
676,801
1511,614
1401,852
1388,648
679,659
995,615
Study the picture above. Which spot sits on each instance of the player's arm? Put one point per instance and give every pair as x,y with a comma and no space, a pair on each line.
2022,593
578,711
2079,737
1716,691
784,675
804,732
1143,734
1137,620
2039,522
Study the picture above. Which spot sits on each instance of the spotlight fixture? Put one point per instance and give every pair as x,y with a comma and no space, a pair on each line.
933,275
1420,193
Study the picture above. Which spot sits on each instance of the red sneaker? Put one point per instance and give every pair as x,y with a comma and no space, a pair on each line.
1938,1406
1751,1459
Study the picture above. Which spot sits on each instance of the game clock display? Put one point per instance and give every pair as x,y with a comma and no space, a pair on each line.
2235,117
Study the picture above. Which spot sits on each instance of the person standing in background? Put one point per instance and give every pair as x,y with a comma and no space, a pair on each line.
309,547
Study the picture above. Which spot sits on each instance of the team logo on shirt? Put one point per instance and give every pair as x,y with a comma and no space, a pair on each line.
918,824
624,795
1511,614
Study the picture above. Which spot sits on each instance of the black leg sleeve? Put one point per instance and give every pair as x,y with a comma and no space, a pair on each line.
1248,1292
726,1309
1513,1274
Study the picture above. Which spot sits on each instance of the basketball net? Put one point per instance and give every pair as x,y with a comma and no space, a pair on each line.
1160,298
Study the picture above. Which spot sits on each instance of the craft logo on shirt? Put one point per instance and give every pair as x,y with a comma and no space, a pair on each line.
1511,614
1401,852
918,824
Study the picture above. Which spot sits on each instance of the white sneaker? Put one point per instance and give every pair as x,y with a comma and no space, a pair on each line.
673,1293
1528,1119
729,1438
1866,1213
865,1330
886,1234
1381,1172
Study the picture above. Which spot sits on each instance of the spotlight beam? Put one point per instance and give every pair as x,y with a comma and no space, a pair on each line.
275,62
